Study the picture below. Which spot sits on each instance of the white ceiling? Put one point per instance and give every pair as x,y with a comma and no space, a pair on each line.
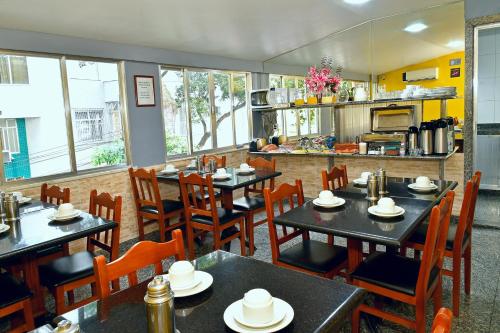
250,30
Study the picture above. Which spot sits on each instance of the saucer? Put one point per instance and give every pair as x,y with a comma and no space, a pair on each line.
206,281
422,189
196,281
338,202
4,228
169,171
55,217
246,171
360,181
279,313
232,323
24,200
221,177
398,211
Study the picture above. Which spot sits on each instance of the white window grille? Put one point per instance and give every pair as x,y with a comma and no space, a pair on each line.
88,125
10,137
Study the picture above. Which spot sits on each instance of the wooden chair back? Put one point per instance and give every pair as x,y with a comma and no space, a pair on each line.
285,193
442,321
145,188
192,185
54,194
435,242
221,161
260,163
142,254
476,181
109,208
465,212
335,179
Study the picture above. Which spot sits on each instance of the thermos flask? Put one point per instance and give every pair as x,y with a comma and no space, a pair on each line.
160,309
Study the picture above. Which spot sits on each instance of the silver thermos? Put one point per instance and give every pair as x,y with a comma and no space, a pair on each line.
382,182
451,134
441,137
426,138
372,188
160,309
2,206
11,207
412,139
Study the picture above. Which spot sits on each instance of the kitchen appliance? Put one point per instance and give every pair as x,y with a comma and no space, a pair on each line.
388,143
451,134
412,140
393,118
426,137
259,99
441,137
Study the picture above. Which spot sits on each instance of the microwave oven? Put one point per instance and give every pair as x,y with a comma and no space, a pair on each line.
259,99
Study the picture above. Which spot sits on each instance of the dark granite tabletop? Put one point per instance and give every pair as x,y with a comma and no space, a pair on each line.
34,231
236,181
320,305
352,220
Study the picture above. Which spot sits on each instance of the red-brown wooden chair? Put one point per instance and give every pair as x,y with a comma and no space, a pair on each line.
458,243
254,204
308,256
150,208
442,321
335,179
16,298
142,254
65,274
221,161
406,279
204,215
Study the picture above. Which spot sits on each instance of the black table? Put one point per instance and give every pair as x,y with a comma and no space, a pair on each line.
227,186
34,231
320,305
353,221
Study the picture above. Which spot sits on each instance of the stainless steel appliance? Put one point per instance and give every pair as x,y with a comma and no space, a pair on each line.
259,99
384,143
451,134
441,137
426,137
160,309
412,139
392,118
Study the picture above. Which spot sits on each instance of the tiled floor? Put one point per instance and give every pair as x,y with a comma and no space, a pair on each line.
488,208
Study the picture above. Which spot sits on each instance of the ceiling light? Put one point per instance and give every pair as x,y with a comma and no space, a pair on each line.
415,27
356,2
455,44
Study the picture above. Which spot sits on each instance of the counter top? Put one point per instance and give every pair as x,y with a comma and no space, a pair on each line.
398,157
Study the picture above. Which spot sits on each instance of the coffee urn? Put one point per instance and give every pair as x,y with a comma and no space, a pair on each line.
451,134
441,137
412,139
426,138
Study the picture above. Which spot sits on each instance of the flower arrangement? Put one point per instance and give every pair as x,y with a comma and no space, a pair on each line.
318,80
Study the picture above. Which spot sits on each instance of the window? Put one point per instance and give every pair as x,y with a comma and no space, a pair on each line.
88,125
214,114
291,122
10,138
13,70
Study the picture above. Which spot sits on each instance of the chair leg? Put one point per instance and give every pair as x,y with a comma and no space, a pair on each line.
162,221
243,239
140,226
71,297
60,302
372,247
355,321
467,268
416,254
217,241
438,296
28,315
456,274
250,232
190,241
331,240
420,316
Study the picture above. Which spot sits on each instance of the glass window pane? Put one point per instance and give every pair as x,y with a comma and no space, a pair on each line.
289,82
240,108
274,81
279,122
39,115
96,113
4,69
313,120
174,112
19,68
304,122
291,122
224,122
199,107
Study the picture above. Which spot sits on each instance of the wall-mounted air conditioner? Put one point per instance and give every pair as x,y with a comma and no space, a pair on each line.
421,74
7,156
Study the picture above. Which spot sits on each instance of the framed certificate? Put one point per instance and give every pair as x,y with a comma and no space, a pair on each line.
144,90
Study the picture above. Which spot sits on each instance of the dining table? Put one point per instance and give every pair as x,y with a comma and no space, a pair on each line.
35,231
352,220
326,309
236,180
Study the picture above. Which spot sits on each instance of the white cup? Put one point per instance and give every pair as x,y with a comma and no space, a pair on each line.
257,306
365,175
17,195
221,172
386,205
65,209
181,274
423,181
326,197
169,167
244,166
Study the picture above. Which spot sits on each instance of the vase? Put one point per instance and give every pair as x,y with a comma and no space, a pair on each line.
320,98
311,100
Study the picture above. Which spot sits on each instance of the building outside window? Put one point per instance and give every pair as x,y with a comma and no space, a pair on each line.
10,137
13,69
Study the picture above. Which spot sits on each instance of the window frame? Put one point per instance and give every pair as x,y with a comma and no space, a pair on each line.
123,109
213,116
9,66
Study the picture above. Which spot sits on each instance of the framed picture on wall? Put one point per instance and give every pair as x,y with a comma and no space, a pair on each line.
144,90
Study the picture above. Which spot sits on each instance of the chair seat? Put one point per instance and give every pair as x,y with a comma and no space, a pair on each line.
392,271
421,232
13,291
314,256
67,269
168,206
249,203
225,216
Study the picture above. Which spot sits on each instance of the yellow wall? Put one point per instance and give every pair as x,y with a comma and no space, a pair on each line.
394,81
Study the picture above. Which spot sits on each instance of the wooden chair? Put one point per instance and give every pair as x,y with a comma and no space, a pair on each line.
458,243
203,215
442,321
150,207
254,204
140,255
406,279
309,256
16,297
65,274
221,161
334,180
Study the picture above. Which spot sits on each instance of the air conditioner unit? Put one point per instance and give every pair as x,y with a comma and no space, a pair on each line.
7,156
421,74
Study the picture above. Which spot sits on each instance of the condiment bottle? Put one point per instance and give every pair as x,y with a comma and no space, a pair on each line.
372,188
66,326
382,182
160,309
11,205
